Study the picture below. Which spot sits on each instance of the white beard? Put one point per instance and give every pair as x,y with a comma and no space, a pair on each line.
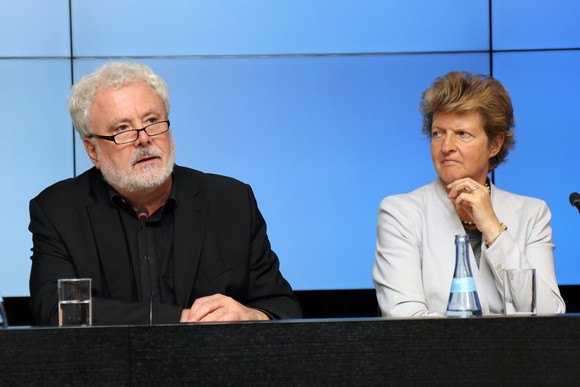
126,179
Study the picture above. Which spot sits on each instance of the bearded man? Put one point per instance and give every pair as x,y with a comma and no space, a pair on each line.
202,255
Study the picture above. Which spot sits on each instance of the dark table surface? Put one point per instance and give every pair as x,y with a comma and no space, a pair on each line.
373,351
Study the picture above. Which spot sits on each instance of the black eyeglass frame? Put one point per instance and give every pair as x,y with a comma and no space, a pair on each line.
112,138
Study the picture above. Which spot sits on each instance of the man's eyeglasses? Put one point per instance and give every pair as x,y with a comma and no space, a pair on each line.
131,135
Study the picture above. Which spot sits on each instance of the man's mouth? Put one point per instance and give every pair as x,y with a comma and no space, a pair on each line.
145,159
145,156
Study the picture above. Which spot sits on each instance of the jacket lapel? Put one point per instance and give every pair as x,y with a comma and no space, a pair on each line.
452,222
189,231
110,242
447,220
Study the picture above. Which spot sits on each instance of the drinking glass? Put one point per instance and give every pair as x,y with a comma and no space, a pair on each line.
519,289
75,302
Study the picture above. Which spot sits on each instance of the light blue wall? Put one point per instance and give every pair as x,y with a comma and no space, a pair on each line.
312,103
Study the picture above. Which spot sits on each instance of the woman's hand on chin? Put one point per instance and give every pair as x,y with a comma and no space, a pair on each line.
473,199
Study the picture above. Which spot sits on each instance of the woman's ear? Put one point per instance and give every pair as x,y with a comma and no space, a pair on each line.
495,145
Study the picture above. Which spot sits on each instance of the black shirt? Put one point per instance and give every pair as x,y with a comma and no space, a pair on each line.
158,233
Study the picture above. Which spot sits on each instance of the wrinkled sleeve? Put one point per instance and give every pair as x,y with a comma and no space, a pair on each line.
505,253
268,290
50,261
397,272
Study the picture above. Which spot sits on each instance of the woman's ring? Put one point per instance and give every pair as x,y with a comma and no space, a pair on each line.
475,187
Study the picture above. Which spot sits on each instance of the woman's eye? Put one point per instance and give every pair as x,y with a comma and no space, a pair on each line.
121,128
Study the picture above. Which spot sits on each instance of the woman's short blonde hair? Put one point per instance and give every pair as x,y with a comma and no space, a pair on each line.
459,91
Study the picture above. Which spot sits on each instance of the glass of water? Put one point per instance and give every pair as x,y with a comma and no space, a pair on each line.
520,292
75,307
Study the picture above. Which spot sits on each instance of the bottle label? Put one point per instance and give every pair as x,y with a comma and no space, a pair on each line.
462,285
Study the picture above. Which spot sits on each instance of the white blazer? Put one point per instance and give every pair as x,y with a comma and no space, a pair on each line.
415,255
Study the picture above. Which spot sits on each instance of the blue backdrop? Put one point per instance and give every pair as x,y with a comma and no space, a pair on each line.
312,103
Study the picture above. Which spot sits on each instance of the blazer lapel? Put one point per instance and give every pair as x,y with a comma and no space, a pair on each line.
111,247
447,220
110,241
189,232
450,221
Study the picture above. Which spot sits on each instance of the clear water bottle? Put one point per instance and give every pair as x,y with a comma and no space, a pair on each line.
463,299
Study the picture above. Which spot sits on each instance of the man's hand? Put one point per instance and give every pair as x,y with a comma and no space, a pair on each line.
220,308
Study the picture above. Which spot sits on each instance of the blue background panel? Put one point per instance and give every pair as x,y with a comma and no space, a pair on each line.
535,24
544,88
321,140
33,28
36,141
259,27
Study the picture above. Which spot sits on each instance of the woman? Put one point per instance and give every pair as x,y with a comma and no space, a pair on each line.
469,119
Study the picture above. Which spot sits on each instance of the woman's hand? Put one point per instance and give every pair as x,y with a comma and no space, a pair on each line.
472,199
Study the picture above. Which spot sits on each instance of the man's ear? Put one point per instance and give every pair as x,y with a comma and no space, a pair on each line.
91,149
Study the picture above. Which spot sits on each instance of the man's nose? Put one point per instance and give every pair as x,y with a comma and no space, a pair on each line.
143,138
